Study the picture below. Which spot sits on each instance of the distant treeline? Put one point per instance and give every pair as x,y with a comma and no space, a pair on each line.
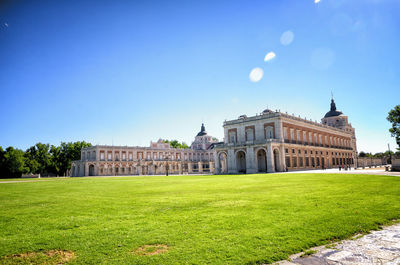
41,159
379,155
176,144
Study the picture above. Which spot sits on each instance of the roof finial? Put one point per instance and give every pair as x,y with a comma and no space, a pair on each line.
331,95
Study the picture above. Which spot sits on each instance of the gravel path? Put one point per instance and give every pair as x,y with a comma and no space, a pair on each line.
378,247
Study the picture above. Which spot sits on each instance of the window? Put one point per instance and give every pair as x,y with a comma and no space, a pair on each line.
298,136
232,137
109,155
311,152
304,138
294,161
102,156
285,133
286,151
130,156
269,134
300,162
288,161
123,156
307,162
299,151
292,134
249,134
293,152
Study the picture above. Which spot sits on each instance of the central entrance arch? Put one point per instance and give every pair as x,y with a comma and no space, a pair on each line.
262,160
91,170
241,162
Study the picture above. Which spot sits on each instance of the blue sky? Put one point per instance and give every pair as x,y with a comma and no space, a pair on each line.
128,72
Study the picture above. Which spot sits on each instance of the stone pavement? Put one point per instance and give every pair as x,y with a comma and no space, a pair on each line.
369,171
378,247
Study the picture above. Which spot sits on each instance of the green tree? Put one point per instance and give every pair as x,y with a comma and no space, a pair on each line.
176,144
69,152
39,159
2,162
394,118
14,163
55,160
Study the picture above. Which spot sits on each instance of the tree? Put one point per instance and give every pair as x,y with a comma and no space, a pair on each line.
176,144
14,163
394,118
2,163
39,160
69,152
55,160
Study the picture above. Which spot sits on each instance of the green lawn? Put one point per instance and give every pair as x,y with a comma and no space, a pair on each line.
235,219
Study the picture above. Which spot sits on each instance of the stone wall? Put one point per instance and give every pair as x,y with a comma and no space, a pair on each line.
395,164
370,162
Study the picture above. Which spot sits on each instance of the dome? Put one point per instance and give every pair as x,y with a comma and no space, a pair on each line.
203,130
266,111
333,112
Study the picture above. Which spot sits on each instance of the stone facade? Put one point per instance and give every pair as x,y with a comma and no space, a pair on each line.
370,162
159,158
274,142
395,164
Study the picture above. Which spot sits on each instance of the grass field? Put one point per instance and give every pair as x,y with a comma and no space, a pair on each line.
241,219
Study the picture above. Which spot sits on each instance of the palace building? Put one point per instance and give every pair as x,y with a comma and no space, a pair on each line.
274,142
269,142
158,158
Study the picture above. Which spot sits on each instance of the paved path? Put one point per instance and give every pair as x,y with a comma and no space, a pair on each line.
378,247
369,171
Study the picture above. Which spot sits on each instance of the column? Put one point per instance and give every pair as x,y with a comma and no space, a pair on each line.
200,167
212,169
250,161
86,170
232,168
217,165
190,170
270,159
96,168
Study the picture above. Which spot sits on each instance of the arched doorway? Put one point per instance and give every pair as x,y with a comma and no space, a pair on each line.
91,170
262,160
241,162
223,163
277,161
